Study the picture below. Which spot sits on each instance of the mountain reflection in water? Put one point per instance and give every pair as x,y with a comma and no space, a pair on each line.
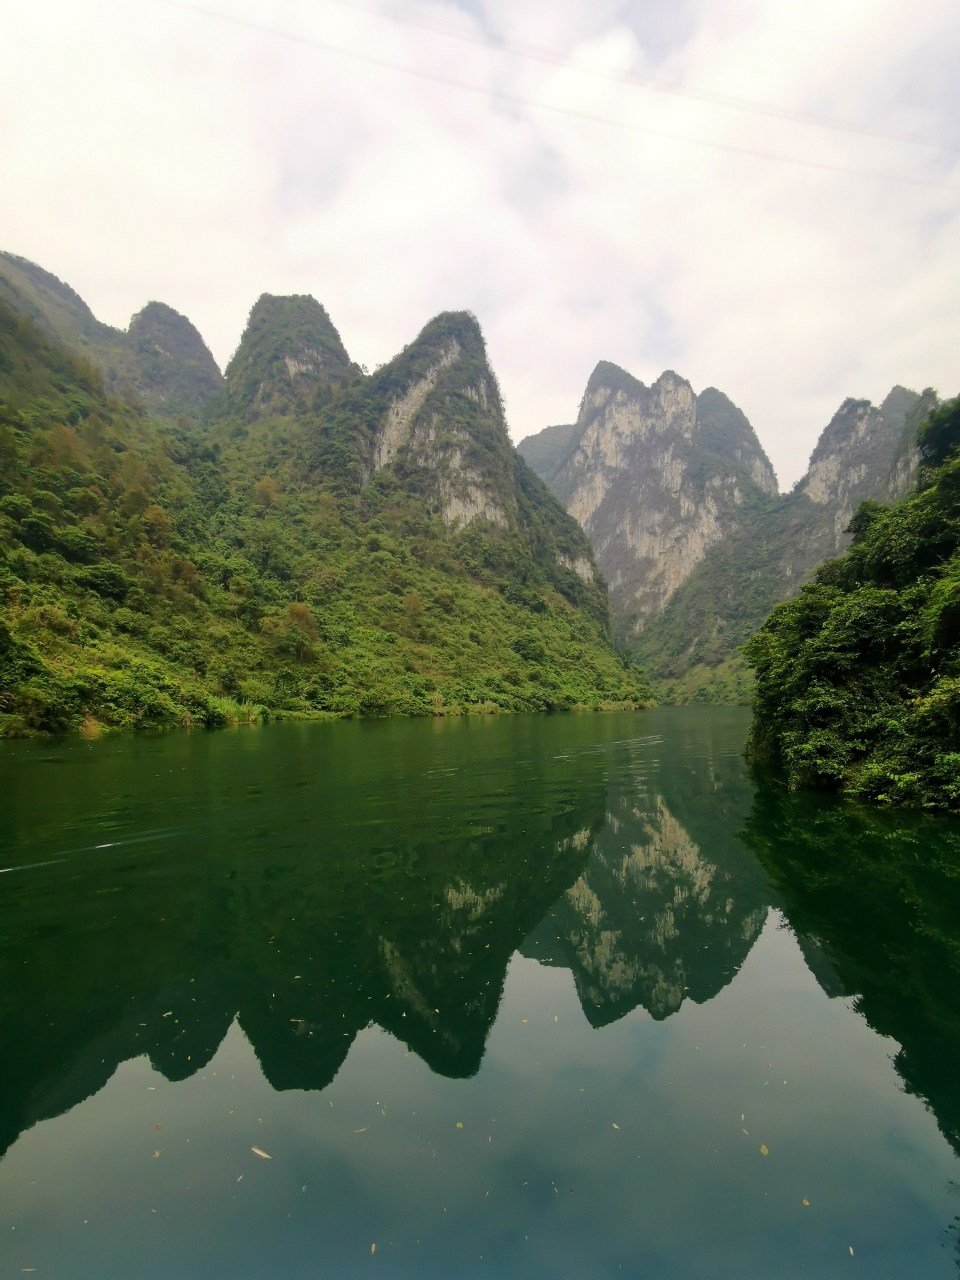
310,881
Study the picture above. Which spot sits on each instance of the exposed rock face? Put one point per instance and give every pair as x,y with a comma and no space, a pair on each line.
858,456
681,504
288,351
864,452
429,422
655,475
442,424
160,358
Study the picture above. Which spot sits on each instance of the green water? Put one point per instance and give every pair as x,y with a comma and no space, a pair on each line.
509,997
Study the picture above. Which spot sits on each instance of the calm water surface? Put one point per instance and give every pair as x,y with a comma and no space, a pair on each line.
510,997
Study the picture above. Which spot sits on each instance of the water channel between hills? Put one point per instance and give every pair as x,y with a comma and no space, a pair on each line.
519,996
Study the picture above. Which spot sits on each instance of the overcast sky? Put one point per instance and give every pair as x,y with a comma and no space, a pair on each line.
761,194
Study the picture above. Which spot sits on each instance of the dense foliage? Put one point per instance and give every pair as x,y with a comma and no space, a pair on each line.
858,678
156,574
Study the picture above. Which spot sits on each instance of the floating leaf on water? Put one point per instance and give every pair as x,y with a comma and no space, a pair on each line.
459,1125
763,1150
262,1154
524,1019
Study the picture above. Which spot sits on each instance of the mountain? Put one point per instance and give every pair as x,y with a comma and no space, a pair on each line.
289,350
864,452
857,676
320,542
655,475
689,529
160,359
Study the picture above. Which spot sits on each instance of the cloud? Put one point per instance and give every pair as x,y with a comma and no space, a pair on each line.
156,151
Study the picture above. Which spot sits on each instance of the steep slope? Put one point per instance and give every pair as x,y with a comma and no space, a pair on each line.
549,449
160,359
275,560
655,475
864,452
682,505
858,678
289,349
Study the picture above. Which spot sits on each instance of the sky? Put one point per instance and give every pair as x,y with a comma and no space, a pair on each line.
763,195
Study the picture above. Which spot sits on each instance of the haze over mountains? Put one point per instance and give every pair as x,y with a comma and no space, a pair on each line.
294,536
161,357
673,490
682,507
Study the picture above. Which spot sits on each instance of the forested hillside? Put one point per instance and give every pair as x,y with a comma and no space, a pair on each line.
321,542
858,678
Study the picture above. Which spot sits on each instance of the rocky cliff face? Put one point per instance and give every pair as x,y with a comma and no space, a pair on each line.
440,426
427,427
858,456
655,475
161,358
864,452
682,507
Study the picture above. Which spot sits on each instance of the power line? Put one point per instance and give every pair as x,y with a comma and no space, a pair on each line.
537,54
518,100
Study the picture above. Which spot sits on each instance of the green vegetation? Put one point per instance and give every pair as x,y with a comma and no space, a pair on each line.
858,678
160,360
155,574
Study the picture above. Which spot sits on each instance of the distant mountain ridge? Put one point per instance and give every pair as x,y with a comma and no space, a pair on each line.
161,358
689,529
655,475
309,540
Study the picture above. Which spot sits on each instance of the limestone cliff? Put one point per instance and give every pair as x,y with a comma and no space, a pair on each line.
681,504
655,475
864,452
858,456
427,428
161,359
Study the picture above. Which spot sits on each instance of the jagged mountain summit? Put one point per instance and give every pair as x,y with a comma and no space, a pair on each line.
288,350
655,475
864,452
161,359
683,508
316,541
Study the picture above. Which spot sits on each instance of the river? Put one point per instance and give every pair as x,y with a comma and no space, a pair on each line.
518,996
